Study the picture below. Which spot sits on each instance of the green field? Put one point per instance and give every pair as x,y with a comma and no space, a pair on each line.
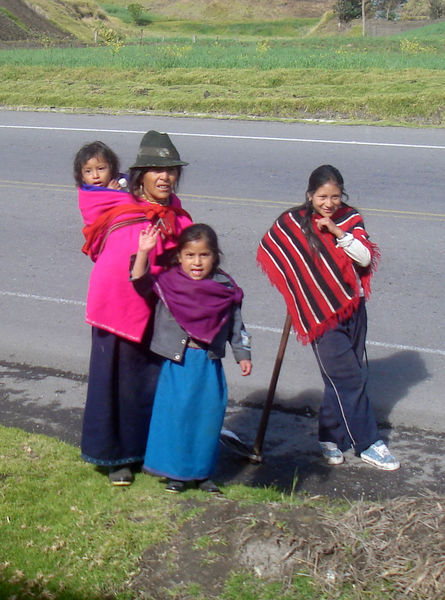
263,54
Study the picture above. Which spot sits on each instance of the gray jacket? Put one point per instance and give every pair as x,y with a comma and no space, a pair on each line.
170,340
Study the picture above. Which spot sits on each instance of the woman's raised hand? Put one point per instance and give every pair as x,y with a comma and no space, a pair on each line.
147,241
148,238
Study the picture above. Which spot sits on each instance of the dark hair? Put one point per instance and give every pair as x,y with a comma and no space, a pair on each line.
319,176
92,150
137,173
199,231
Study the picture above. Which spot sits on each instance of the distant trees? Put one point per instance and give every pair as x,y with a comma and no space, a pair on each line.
437,9
387,8
139,14
348,10
424,9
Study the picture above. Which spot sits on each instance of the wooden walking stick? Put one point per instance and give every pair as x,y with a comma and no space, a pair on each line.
256,456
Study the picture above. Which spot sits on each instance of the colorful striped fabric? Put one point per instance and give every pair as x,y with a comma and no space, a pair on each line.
320,288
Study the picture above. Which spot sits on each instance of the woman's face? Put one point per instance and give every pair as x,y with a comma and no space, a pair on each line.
326,199
158,183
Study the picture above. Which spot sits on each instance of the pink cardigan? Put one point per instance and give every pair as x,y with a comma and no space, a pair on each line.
112,303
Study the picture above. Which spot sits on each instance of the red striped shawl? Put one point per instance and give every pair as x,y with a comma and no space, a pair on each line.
320,290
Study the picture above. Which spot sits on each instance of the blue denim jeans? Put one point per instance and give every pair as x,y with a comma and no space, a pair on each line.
345,415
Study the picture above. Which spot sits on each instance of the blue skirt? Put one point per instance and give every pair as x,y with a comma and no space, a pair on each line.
188,415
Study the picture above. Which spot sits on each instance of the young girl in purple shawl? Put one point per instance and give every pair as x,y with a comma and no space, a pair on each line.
198,311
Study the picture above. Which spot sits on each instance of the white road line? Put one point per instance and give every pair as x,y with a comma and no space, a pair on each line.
44,298
248,325
234,137
371,343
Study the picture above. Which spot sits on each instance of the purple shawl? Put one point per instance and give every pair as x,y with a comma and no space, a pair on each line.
200,307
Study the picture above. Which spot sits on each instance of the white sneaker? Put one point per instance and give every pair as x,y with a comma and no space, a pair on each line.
379,456
332,453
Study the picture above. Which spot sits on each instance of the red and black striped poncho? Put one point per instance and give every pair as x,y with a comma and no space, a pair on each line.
320,288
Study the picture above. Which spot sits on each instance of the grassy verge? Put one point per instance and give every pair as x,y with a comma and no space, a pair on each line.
411,96
63,530
67,534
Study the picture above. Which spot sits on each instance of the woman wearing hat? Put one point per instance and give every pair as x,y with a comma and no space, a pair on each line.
123,372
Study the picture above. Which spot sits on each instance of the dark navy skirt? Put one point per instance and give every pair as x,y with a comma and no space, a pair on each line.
121,386
188,414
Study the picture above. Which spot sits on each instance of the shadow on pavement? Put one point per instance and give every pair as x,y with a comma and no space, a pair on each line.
292,459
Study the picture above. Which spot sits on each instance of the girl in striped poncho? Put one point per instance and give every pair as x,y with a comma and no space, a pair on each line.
320,258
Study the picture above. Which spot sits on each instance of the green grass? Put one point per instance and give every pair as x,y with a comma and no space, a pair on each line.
412,96
63,528
67,534
246,587
262,54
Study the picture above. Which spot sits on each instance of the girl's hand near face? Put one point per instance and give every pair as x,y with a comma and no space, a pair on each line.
246,367
328,223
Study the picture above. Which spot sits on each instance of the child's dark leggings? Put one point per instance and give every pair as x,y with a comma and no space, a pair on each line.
345,416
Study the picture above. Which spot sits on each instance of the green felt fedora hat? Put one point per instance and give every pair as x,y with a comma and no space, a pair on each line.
157,150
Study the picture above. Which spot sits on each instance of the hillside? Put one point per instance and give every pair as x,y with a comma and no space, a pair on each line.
239,9
32,21
27,22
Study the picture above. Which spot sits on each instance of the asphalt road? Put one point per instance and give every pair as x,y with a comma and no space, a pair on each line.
241,176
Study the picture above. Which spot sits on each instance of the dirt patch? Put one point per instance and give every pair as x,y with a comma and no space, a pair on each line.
28,25
395,548
224,538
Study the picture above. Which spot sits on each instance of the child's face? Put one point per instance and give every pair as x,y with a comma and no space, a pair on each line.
196,259
96,171
326,199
